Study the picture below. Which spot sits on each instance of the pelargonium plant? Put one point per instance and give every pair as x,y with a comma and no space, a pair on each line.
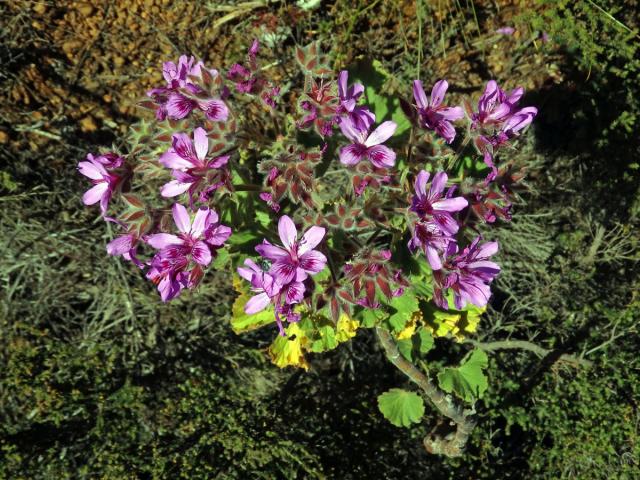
333,217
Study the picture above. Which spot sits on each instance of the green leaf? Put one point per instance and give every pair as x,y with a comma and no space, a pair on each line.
222,259
327,340
406,348
370,317
425,340
402,308
240,321
401,407
467,381
373,76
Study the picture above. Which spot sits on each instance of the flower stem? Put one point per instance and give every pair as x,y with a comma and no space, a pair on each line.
451,445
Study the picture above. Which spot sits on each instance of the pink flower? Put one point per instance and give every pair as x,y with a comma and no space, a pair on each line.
495,106
195,245
367,145
178,98
361,118
268,290
468,274
189,162
432,113
105,181
125,245
298,257
434,204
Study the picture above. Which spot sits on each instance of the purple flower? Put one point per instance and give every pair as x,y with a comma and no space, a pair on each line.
433,114
298,257
367,145
432,239
467,274
509,128
360,117
104,181
176,100
268,289
495,106
434,204
189,162
125,245
506,30
196,243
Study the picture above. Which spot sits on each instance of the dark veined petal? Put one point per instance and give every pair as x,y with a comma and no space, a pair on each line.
178,106
381,156
201,253
351,154
313,261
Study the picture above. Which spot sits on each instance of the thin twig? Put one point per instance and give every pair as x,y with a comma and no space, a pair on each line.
529,347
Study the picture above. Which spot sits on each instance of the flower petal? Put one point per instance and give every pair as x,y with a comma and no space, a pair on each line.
200,222
257,303
181,218
310,239
287,231
438,92
161,240
95,193
201,142
420,184
201,253
120,245
295,292
438,185
419,95
343,78
171,159
178,106
351,130
91,170
215,110
271,252
183,146
217,236
381,156
433,257
381,134
174,188
451,113
313,262
351,154
451,204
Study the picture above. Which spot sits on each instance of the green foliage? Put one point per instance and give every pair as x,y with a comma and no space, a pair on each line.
401,407
467,381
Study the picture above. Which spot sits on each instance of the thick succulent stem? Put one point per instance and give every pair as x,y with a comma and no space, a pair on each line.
452,444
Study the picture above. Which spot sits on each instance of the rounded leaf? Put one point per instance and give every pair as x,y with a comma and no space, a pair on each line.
401,407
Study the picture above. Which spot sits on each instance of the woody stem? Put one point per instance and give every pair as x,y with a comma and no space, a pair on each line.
451,446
